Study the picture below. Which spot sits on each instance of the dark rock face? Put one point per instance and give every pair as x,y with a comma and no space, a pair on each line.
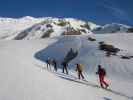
110,49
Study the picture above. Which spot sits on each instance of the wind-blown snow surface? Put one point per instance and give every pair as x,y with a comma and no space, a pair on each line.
22,76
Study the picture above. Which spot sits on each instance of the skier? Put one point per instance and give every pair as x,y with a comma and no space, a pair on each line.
65,65
101,72
55,65
79,69
49,62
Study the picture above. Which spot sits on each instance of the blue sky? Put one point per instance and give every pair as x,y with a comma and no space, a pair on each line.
98,11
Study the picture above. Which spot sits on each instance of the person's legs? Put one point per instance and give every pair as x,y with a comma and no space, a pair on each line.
50,66
47,65
63,69
66,70
105,83
101,80
79,75
82,75
55,67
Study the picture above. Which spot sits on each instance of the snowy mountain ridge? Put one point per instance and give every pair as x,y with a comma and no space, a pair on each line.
112,28
35,28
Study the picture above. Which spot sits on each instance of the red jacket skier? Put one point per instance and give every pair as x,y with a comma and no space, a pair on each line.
101,72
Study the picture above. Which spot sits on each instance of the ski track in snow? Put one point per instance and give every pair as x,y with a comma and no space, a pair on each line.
84,82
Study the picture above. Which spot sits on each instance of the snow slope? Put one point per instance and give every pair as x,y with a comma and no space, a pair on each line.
23,78
10,26
90,56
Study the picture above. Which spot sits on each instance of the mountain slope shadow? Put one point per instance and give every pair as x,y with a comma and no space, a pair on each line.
59,49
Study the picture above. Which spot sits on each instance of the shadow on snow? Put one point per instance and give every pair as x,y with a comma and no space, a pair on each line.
59,49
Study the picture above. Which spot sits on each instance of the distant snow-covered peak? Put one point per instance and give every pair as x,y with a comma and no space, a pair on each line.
28,17
116,24
112,28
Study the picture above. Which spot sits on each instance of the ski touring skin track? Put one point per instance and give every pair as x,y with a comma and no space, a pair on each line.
84,82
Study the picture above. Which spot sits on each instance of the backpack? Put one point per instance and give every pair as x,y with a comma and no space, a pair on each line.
81,67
